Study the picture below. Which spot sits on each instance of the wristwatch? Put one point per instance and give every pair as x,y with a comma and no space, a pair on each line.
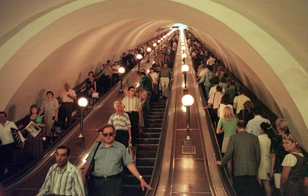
140,177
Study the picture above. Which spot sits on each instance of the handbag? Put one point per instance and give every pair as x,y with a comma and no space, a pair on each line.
16,137
89,173
95,95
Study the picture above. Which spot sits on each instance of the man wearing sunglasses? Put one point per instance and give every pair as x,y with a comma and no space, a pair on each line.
108,165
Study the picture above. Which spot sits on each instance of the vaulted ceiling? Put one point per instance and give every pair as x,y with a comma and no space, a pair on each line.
44,44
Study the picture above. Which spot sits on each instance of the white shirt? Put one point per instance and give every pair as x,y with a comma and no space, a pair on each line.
253,126
6,135
64,96
290,159
215,99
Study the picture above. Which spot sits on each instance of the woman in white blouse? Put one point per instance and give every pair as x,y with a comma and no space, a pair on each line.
294,164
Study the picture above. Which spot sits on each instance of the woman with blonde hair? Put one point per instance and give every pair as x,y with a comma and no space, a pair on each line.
282,126
294,164
227,125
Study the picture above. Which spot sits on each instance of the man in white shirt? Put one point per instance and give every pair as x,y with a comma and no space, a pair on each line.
253,126
7,145
68,96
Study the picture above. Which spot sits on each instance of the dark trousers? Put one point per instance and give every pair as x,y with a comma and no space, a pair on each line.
122,137
105,187
134,121
107,83
65,111
146,109
7,159
246,185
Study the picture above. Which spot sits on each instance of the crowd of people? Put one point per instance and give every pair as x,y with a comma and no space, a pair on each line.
260,160
121,130
123,127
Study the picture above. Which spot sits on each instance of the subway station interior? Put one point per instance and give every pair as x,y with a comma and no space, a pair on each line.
45,44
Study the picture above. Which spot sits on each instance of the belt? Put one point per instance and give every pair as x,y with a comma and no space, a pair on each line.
109,177
121,130
131,112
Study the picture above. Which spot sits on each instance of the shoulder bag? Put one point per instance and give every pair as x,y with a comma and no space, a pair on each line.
92,164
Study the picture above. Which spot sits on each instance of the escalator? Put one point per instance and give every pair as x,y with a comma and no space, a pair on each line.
147,146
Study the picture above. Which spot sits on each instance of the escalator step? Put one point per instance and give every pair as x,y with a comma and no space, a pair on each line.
146,154
147,147
152,129
149,135
146,141
145,161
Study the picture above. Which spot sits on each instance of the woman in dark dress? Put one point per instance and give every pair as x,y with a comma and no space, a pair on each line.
90,84
277,152
294,165
34,144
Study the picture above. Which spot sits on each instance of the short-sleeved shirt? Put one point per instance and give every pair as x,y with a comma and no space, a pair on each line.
229,126
65,182
215,99
253,126
290,160
64,96
131,104
50,106
109,161
108,71
120,122
240,100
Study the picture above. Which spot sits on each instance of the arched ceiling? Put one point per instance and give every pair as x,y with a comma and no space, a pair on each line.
44,44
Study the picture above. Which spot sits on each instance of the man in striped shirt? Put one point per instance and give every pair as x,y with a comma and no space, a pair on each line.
120,120
63,178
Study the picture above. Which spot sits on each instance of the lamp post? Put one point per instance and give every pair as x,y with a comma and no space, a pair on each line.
183,58
82,102
139,57
183,48
187,101
185,69
149,50
154,46
121,71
